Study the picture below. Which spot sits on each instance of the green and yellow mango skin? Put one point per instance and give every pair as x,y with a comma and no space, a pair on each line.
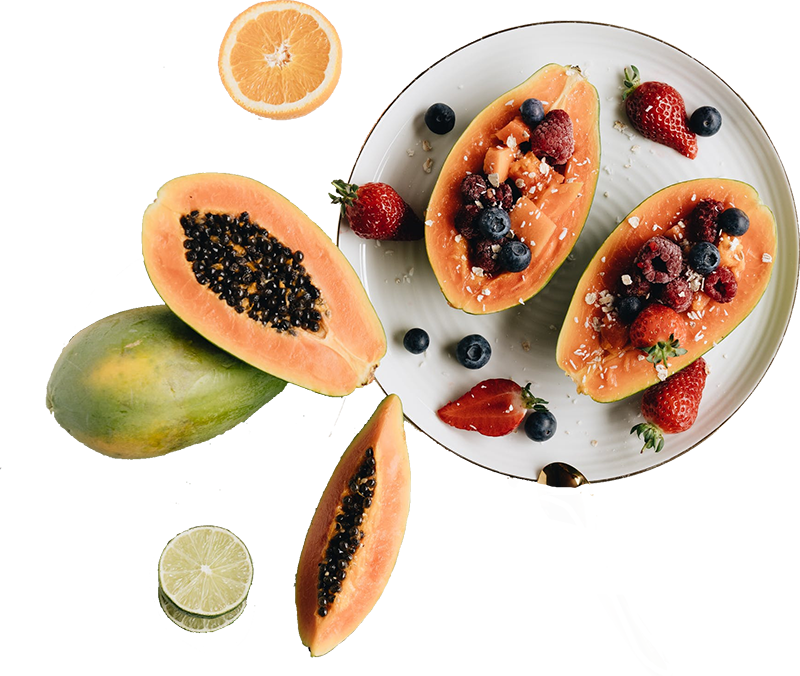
141,383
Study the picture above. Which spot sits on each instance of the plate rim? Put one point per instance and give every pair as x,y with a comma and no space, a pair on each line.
782,336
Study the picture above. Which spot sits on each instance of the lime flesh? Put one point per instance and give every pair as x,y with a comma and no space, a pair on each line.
205,571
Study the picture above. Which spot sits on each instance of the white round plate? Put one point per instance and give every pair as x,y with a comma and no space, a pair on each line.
593,437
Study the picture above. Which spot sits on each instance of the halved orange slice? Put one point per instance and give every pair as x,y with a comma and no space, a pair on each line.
280,59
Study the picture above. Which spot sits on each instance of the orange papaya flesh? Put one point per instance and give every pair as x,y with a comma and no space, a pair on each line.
348,342
514,133
368,493
557,87
607,371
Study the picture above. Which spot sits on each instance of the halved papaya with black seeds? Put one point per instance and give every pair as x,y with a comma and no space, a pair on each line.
249,271
551,202
593,346
355,535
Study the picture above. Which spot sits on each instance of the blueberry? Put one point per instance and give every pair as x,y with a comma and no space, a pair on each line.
514,256
532,112
494,222
734,221
629,307
705,121
416,341
540,425
440,118
473,351
704,258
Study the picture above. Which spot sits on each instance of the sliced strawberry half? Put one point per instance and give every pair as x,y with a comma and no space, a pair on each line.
494,407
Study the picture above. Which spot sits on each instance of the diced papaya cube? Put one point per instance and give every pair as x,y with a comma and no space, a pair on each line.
526,172
731,254
677,232
514,133
557,199
497,161
532,175
699,302
553,180
531,225
542,235
521,215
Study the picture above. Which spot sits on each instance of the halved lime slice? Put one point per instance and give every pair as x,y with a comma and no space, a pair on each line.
198,623
205,570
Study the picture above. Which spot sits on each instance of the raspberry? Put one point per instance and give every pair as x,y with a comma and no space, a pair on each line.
506,196
552,139
465,221
637,285
473,187
484,256
702,225
721,285
677,294
659,260
502,196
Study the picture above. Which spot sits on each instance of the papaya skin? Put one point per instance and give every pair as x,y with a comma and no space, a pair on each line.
141,383
611,374
557,86
334,361
384,526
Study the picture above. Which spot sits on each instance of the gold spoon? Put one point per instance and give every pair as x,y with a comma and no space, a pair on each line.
562,475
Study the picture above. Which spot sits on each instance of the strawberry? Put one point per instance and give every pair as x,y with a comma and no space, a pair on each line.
657,111
659,331
494,407
671,406
376,211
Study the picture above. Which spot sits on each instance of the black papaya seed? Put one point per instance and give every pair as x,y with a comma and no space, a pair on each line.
239,249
